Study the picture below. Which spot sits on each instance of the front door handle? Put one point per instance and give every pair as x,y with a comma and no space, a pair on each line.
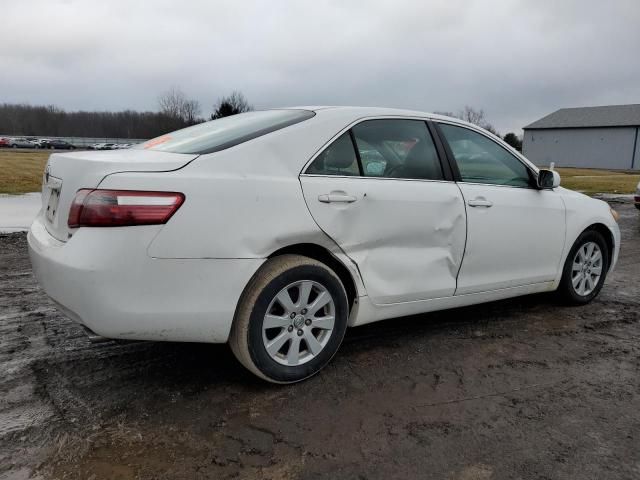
336,198
480,202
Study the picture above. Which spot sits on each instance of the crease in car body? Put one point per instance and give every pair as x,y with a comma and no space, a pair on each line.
466,233
385,271
388,256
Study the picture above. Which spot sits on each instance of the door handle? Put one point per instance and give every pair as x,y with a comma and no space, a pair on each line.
480,202
336,198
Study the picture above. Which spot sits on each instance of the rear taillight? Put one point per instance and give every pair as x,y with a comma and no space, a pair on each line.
122,208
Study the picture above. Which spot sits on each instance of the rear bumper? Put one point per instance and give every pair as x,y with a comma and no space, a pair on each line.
636,201
104,279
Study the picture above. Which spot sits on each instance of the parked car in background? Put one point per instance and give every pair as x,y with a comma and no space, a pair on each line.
276,230
38,142
636,198
54,144
4,142
19,142
103,146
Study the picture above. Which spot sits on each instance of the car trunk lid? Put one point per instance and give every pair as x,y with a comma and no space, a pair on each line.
66,173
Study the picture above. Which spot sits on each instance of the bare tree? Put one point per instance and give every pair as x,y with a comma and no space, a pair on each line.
171,102
230,105
191,112
471,115
175,104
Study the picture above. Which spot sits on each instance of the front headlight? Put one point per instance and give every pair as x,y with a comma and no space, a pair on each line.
614,214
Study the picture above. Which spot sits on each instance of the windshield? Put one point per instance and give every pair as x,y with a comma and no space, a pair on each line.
225,132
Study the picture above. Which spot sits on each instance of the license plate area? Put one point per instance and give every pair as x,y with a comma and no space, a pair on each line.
54,186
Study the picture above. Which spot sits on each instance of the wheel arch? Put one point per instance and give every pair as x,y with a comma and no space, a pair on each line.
606,233
321,254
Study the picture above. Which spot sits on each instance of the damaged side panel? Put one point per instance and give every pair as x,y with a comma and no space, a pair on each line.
231,215
406,236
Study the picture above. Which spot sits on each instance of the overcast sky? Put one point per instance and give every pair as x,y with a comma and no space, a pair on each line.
518,60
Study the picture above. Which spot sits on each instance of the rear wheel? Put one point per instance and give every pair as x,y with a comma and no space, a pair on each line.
290,320
585,268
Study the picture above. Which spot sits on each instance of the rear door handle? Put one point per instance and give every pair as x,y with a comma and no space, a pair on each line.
336,198
480,202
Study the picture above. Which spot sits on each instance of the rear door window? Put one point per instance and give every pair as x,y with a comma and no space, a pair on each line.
397,148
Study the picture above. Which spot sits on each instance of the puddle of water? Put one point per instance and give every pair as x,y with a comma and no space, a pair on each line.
18,211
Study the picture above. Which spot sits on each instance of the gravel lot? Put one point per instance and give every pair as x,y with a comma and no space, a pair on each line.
524,388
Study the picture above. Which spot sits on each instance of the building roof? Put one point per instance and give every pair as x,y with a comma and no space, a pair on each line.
585,117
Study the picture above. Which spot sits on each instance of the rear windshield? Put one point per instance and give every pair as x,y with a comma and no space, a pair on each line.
225,132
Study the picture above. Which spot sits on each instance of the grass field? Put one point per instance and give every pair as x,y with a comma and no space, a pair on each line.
21,172
598,181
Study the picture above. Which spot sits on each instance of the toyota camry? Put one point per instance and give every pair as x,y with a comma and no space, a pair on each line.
276,230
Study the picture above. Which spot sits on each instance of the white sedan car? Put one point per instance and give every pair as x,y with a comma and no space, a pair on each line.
276,230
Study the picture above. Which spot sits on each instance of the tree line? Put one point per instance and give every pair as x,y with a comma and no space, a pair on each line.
29,120
175,111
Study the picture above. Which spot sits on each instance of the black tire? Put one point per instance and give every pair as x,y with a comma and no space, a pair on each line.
566,289
246,338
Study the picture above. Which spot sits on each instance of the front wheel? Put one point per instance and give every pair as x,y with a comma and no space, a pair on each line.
585,268
290,320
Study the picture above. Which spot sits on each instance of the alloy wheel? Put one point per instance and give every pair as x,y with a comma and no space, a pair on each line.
298,323
586,269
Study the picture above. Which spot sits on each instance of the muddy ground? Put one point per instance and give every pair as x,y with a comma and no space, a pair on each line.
523,388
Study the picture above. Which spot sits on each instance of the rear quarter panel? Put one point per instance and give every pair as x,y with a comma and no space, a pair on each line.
243,202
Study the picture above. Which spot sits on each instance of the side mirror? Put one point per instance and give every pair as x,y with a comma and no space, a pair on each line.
548,179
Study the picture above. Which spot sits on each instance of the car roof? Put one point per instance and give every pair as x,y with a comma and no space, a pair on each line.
362,112
344,115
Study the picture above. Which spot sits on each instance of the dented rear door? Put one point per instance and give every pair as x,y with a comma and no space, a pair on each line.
406,236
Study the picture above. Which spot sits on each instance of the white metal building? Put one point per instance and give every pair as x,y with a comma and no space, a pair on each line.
588,137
